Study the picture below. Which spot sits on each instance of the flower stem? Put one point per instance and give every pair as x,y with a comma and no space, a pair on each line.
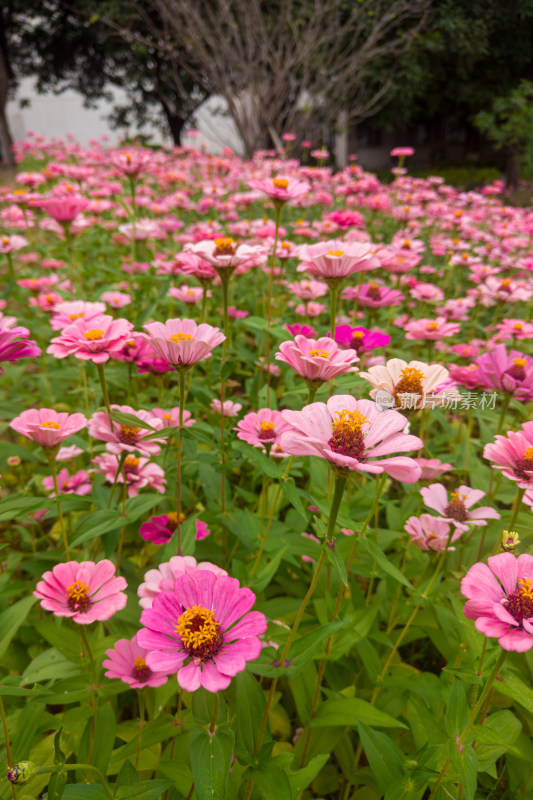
270,518
333,295
105,395
517,503
53,466
278,208
88,650
141,726
7,745
340,484
181,383
213,723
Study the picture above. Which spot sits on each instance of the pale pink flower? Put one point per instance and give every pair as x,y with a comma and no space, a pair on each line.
116,299
431,329
163,578
92,340
513,454
64,209
187,294
308,290
414,378
432,468
515,329
48,427
182,342
78,483
336,258
69,311
430,533
68,452
171,418
10,244
402,152
126,438
85,591
263,427
224,254
373,295
140,473
317,359
456,510
131,160
228,409
353,435
280,189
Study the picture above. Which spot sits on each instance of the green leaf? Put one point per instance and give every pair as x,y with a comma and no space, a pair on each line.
96,524
211,760
385,758
381,559
264,464
179,773
249,704
20,506
456,709
350,711
465,763
271,781
267,571
153,733
28,723
511,686
50,664
301,778
56,785
136,507
59,756
84,791
11,619
337,561
130,420
128,775
145,790
293,496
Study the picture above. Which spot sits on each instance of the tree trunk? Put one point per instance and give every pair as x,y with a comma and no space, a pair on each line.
6,140
512,170
175,124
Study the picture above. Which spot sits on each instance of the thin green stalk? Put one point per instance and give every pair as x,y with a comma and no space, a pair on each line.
270,518
88,650
340,483
333,293
8,746
105,395
120,463
181,383
53,467
278,208
141,726
517,503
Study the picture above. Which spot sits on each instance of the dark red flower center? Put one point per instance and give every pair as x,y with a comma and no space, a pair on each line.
78,597
520,603
517,371
373,291
410,382
266,430
456,508
524,465
140,671
347,435
128,434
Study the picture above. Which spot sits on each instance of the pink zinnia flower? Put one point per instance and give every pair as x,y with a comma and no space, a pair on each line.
515,329
336,259
161,529
500,599
10,244
263,427
92,340
164,577
373,295
509,372
430,533
116,299
48,427
126,661
317,359
308,290
228,408
79,483
456,510
205,620
414,379
121,438
361,340
182,342
402,152
85,591
140,473
352,434
304,330
69,452
224,254
431,330
432,468
171,418
64,209
187,294
132,160
12,348
68,312
513,453
280,189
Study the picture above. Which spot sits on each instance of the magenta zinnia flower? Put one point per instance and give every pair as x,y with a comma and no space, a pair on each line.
12,348
92,340
317,359
161,529
373,295
126,661
48,427
456,510
182,342
87,592
205,620
362,340
500,599
353,434
509,372
513,454
79,483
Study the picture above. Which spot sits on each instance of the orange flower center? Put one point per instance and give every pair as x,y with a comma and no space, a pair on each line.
94,335
266,429
131,462
173,520
336,253
78,596
518,326
432,326
520,362
140,671
224,247
410,381
280,183
180,337
75,316
520,603
347,435
358,334
53,425
128,434
199,632
319,354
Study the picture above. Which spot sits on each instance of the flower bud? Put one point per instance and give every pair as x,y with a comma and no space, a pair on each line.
509,541
22,772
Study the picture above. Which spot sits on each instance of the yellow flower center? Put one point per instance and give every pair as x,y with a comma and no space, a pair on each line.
518,326
347,435
280,183
410,381
224,247
78,596
319,354
94,335
432,326
167,416
286,245
131,462
54,425
506,282
199,632
75,316
406,243
19,191
520,362
173,520
140,671
180,337
528,454
358,334
336,253
464,255
139,663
